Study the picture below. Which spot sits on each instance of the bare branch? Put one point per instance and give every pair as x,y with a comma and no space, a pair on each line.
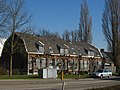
85,25
111,28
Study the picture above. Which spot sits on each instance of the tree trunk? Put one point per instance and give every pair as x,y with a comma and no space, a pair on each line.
79,65
67,66
10,73
118,58
11,55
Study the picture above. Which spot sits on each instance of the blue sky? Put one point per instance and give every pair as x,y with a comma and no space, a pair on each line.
58,15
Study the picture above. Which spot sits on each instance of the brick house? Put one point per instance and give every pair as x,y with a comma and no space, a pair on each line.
108,60
32,53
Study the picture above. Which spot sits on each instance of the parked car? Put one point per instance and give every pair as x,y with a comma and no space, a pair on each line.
102,73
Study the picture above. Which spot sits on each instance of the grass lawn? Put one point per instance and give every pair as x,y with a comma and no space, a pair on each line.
19,77
66,76
74,76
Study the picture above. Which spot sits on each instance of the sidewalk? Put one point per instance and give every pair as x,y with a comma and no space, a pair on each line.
50,84
43,81
38,81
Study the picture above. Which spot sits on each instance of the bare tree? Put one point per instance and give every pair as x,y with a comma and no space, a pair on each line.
3,17
85,25
74,35
66,35
111,28
79,36
43,32
55,34
16,20
28,30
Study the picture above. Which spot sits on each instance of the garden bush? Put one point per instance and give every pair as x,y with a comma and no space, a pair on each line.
83,72
16,72
3,71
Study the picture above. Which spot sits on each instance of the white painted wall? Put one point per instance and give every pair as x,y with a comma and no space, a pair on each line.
2,40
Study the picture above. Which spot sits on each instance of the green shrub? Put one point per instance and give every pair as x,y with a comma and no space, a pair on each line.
16,72
115,74
83,72
118,73
3,71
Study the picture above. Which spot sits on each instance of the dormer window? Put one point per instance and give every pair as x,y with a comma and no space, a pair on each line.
40,47
66,51
50,50
90,53
73,51
62,51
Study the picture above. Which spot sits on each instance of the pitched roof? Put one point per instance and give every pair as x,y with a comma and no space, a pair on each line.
108,56
56,43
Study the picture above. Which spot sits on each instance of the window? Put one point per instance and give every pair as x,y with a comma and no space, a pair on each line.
40,47
99,63
85,64
105,70
62,52
66,51
81,64
90,53
100,71
73,50
50,50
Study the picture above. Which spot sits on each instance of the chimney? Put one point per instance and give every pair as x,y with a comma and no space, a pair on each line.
102,50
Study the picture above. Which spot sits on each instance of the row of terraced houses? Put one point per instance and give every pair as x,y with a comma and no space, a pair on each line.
32,53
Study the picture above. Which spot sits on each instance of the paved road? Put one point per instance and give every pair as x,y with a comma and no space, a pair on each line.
52,84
